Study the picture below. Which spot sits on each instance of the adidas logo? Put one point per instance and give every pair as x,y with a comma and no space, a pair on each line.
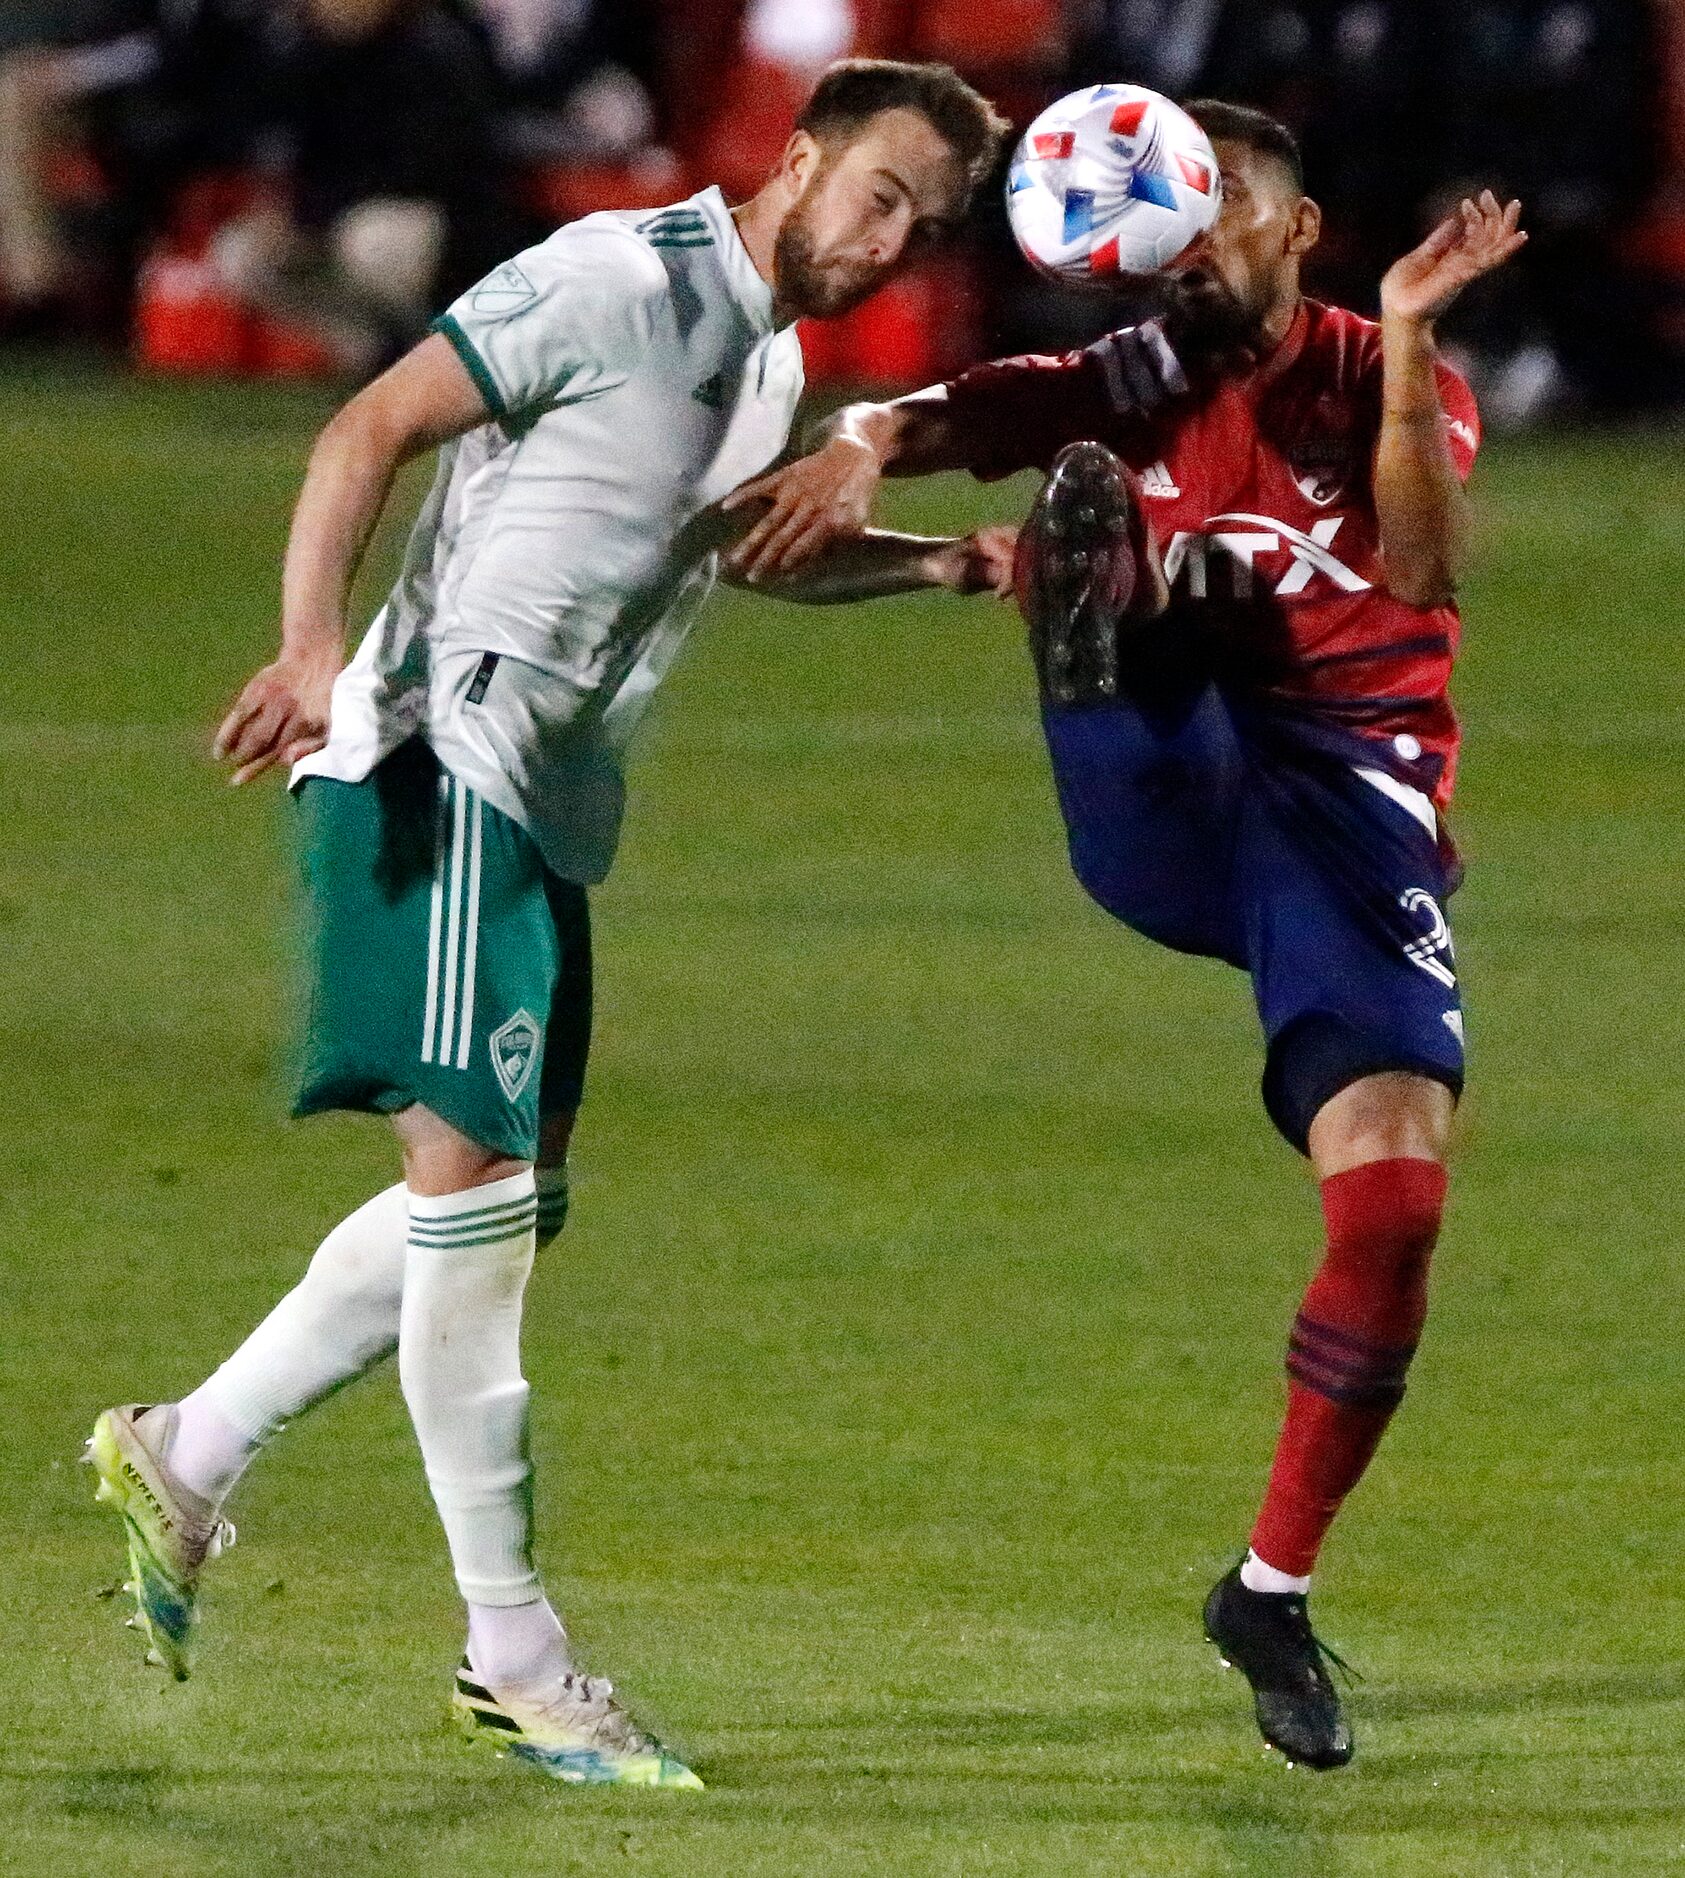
1158,481
711,392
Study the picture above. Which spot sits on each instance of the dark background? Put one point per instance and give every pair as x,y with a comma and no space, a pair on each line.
133,131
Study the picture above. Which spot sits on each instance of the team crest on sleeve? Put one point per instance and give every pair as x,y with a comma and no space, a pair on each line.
514,1051
505,292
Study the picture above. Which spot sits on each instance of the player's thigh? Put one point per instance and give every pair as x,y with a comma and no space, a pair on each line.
432,955
1149,795
567,1042
1352,966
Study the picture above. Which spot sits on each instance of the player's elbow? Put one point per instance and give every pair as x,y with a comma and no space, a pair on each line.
1422,581
369,432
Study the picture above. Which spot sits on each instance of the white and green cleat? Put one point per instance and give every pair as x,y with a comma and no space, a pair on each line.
171,1532
577,1733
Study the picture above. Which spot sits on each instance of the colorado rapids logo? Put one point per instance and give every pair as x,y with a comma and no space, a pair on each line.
514,1051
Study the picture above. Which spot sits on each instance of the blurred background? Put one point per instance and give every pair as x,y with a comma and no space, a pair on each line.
290,188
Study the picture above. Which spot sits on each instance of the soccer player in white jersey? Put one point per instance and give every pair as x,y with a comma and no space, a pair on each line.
459,786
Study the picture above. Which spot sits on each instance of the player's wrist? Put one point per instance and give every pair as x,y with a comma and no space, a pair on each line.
945,564
1405,325
312,645
866,431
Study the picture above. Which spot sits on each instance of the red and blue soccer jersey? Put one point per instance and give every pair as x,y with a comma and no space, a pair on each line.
1261,494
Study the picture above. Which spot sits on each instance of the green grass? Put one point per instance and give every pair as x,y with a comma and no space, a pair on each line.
912,1360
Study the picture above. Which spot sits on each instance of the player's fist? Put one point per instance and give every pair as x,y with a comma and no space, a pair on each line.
809,504
1475,238
281,715
980,562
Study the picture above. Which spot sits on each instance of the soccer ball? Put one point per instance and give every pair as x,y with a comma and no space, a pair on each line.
1114,179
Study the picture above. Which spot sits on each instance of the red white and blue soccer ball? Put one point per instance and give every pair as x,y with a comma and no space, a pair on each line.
1113,179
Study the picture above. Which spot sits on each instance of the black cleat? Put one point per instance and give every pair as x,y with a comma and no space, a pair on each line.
1267,1636
1086,565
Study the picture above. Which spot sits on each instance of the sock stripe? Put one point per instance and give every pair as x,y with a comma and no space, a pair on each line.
1355,1388
1313,1330
471,1215
491,1236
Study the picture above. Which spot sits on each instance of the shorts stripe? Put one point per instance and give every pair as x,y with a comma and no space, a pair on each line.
434,921
466,1027
453,932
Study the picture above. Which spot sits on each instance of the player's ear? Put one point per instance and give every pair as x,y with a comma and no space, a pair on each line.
1304,226
800,160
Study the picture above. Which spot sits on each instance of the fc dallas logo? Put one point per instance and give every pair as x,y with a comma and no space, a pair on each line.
1321,460
1321,466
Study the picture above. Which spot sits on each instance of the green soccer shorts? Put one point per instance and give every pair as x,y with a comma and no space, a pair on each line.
446,964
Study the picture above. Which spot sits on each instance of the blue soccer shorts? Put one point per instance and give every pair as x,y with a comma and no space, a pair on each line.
1197,832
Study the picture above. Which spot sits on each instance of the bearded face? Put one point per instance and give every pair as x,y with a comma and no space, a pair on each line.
809,284
1210,316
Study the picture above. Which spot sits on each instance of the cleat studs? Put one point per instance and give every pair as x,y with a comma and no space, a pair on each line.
103,1494
154,1660
1225,1662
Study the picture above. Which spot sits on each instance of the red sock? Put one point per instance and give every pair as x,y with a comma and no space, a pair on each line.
1352,1343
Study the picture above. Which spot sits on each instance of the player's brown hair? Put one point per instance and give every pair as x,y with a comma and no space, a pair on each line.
1241,123
853,91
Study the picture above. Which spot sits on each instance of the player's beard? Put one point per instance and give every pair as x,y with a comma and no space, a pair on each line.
811,289
1207,322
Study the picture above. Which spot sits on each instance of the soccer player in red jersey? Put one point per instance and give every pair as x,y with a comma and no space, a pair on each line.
1240,583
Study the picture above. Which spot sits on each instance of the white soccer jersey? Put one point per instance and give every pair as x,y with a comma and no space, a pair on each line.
634,377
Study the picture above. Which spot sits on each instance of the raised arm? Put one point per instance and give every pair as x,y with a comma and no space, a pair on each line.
1419,496
425,399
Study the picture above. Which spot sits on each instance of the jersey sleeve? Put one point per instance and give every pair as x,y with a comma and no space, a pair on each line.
1018,413
1462,417
560,321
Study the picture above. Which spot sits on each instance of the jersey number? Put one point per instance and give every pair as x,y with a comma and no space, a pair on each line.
1432,949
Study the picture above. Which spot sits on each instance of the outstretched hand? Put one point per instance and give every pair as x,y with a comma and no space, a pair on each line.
1473,240
281,716
809,505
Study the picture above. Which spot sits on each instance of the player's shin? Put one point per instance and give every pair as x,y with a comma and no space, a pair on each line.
338,1322
459,1359
1351,1346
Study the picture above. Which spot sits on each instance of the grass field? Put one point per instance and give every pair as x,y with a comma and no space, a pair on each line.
912,1360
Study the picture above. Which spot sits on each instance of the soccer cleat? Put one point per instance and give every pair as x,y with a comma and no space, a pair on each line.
577,1733
171,1532
1086,565
1267,1635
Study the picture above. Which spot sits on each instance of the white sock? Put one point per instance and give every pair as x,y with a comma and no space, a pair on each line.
459,1359
1257,1576
339,1321
512,1646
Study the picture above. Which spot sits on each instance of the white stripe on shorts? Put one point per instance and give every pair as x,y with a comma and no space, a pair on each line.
453,931
434,921
466,1028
